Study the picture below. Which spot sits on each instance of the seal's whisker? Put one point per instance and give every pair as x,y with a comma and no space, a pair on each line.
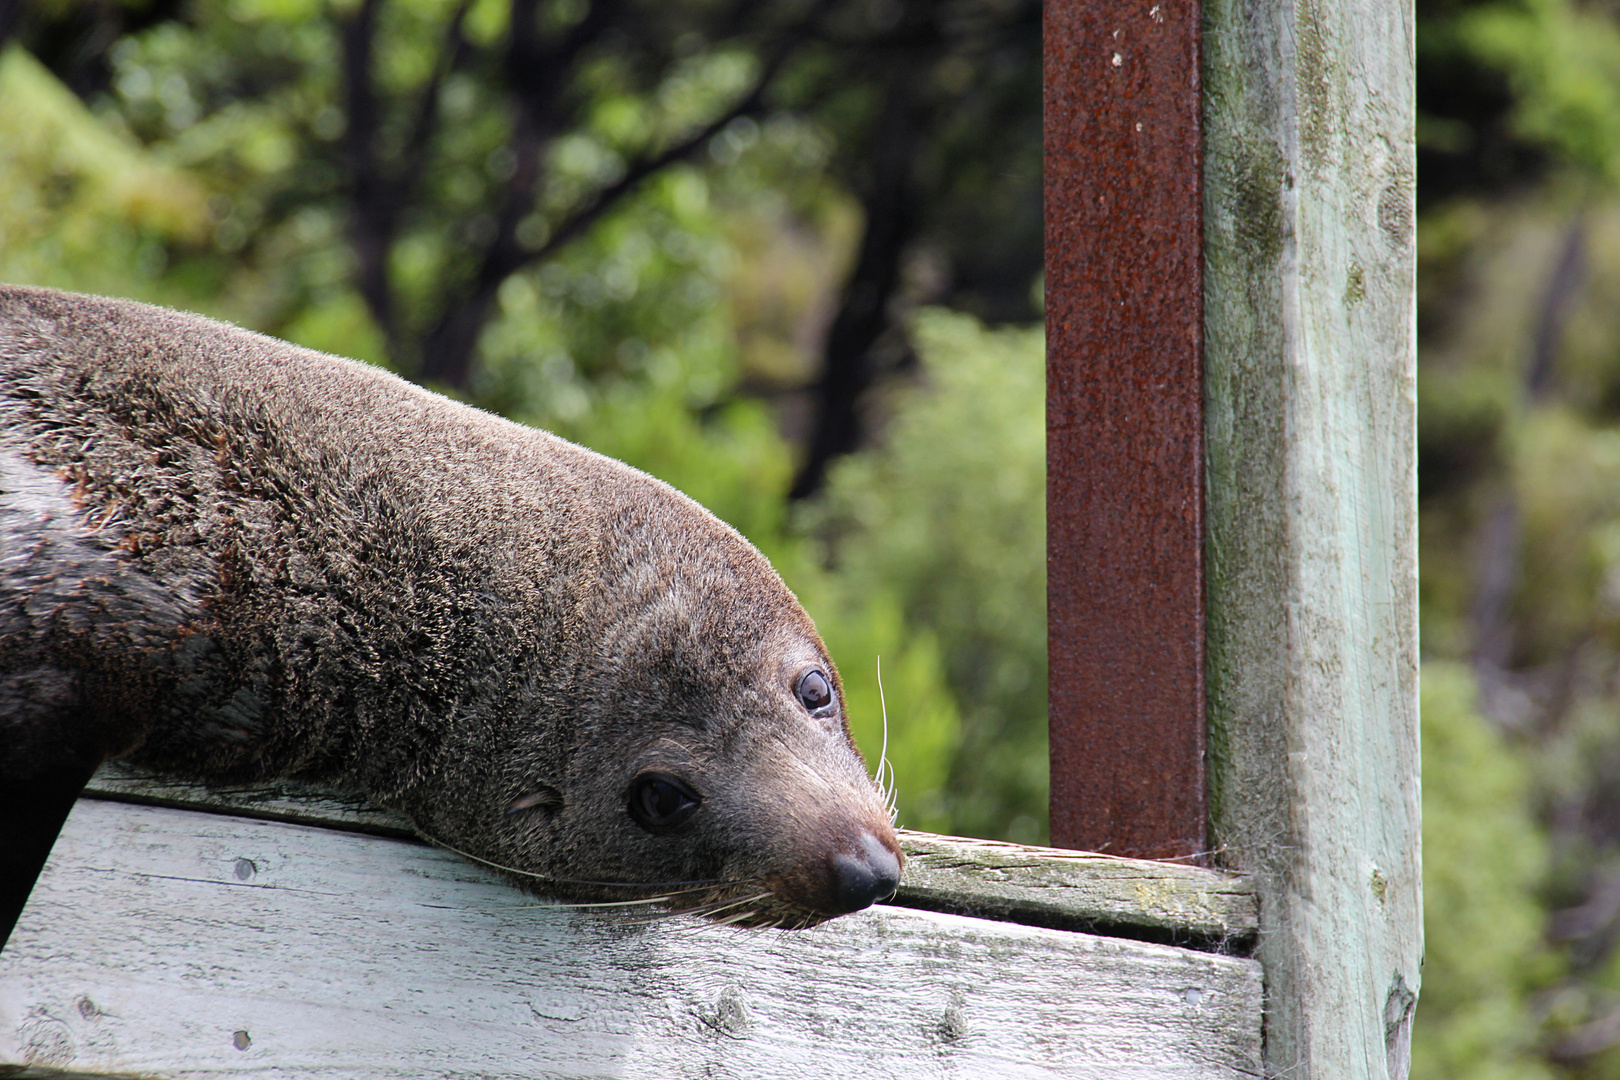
744,900
705,910
699,926
645,901
700,910
737,918
883,753
720,903
695,885
640,919
661,898
887,786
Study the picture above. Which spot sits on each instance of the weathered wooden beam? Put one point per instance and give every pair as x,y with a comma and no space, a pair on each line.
274,800
1080,890
174,943
1312,571
1064,890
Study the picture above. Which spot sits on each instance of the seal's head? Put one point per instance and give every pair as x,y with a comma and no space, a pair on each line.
708,757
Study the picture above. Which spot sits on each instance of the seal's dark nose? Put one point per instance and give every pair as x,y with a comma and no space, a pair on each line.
865,879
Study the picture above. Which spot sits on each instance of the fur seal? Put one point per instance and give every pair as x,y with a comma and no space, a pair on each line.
231,559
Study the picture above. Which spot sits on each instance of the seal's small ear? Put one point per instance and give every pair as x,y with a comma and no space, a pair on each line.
542,800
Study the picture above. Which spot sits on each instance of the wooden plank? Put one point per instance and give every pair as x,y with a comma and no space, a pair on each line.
1064,890
272,800
1080,890
1312,568
1124,427
181,944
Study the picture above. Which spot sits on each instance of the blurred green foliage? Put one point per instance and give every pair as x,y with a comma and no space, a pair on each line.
949,515
1562,63
83,206
1483,859
1519,479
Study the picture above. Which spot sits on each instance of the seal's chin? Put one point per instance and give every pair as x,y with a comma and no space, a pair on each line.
865,872
755,910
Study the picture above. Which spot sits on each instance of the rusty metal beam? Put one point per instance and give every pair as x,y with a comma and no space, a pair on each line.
1124,319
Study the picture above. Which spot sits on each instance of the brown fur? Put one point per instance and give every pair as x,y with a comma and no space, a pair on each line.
228,558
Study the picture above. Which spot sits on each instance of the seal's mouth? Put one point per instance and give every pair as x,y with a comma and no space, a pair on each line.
756,910
866,873
764,910
822,889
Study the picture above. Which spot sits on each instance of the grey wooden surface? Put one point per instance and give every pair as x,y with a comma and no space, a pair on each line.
1066,890
181,943
1080,890
1312,526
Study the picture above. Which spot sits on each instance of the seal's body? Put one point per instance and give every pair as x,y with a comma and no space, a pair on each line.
230,559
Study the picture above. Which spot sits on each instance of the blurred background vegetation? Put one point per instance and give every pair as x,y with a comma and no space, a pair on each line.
786,255
1518,135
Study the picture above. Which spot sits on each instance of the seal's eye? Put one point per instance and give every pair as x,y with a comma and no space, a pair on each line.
815,693
660,802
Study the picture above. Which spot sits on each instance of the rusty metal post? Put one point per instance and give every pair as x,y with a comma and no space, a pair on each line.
1124,321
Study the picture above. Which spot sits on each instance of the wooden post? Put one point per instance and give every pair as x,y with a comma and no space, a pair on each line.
1311,566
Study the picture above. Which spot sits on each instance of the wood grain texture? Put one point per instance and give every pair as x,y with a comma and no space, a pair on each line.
272,800
181,944
1311,552
1065,890
1079,890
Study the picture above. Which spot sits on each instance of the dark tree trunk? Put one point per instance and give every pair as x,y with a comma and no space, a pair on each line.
373,200
1500,536
538,75
849,367
447,354
10,15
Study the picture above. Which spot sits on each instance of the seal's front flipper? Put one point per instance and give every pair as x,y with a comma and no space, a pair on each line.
32,811
65,594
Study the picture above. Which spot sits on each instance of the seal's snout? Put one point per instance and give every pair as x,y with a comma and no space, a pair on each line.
866,878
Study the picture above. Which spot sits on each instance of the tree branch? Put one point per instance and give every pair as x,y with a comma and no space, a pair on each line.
373,207
11,12
449,348
1500,557
605,199
888,205
425,123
